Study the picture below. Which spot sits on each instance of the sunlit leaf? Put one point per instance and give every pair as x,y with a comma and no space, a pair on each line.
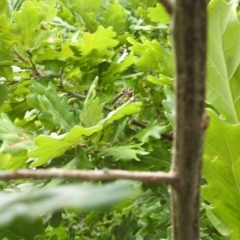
152,56
221,167
115,17
99,43
51,147
15,140
92,112
162,80
223,59
158,14
120,112
27,21
6,33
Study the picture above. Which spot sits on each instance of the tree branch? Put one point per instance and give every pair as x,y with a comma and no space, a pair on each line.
90,175
168,4
189,35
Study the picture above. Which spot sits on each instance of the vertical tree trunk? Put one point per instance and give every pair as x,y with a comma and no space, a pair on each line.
189,34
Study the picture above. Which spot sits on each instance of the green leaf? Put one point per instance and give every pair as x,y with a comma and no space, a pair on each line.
120,112
162,80
117,131
52,147
123,153
52,54
29,205
223,59
27,21
92,108
7,73
22,229
136,3
42,237
152,56
3,93
98,44
221,168
53,109
3,7
5,158
92,112
123,63
126,229
169,103
17,160
15,5
115,17
222,228
6,34
158,14
15,140
86,12
153,129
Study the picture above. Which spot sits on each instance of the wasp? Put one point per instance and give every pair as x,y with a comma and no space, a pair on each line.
125,94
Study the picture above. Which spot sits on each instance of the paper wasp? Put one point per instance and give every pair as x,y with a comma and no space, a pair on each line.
125,94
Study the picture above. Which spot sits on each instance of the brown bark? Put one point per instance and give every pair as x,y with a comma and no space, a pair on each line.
189,35
90,175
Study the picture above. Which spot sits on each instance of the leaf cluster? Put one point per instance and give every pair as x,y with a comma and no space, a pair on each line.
61,65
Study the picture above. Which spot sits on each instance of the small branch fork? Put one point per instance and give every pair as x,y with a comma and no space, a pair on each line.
90,175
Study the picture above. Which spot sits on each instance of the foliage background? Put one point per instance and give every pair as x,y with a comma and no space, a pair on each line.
61,64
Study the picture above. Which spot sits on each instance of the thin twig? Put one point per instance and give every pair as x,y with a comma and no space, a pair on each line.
34,69
137,123
90,175
167,136
77,95
168,4
20,57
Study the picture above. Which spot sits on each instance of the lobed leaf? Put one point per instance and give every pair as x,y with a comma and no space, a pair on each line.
27,21
53,110
15,142
152,56
120,112
221,170
223,59
51,147
153,129
98,44
123,153
92,112
158,14
115,17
